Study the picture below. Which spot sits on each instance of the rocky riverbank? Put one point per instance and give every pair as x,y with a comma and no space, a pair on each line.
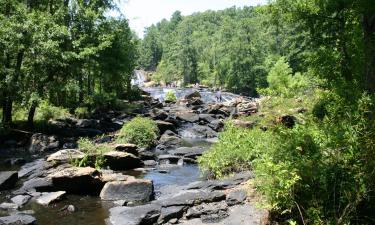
132,198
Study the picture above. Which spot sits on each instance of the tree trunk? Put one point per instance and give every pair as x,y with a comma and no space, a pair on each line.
368,25
80,84
30,118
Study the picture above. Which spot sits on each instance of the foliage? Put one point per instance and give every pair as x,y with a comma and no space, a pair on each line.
140,131
81,112
93,154
235,151
65,55
318,172
228,48
46,111
282,82
170,96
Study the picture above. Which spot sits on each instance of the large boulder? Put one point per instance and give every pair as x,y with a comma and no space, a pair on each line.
199,131
8,180
131,190
65,156
247,108
170,140
158,114
207,118
121,160
18,219
164,126
193,95
41,143
188,116
77,180
87,123
217,125
129,148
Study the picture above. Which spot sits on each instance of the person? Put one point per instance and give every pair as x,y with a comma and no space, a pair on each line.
219,98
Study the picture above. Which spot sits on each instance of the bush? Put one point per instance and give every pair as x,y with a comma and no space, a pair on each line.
81,112
320,172
235,151
46,111
140,131
282,82
93,154
170,97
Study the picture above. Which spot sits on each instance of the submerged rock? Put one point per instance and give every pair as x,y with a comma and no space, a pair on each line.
8,180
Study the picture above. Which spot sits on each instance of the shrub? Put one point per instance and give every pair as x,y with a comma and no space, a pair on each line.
317,173
93,153
81,112
140,131
235,151
170,96
46,111
282,81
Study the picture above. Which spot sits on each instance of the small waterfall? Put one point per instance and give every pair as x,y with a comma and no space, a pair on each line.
139,78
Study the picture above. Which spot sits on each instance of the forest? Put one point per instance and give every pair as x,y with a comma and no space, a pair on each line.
66,54
310,65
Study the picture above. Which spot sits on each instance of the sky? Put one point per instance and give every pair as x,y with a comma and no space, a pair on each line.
144,13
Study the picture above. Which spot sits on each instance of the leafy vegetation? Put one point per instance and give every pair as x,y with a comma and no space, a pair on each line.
140,131
93,154
62,53
317,172
170,97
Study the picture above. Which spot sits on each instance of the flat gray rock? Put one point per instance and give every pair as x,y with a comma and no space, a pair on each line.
8,180
237,215
8,206
65,156
138,215
20,200
50,197
18,219
236,197
132,190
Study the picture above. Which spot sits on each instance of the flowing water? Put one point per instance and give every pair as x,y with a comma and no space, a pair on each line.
91,210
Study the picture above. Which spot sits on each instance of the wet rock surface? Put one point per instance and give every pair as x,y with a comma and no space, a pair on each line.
8,179
152,192
132,190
